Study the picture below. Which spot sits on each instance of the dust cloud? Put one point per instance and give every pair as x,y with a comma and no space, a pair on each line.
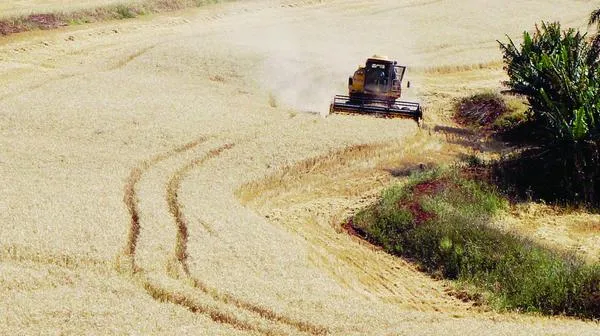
304,66
299,79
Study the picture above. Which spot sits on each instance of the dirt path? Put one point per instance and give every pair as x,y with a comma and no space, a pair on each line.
162,175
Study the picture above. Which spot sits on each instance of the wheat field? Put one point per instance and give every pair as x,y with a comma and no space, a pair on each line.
178,174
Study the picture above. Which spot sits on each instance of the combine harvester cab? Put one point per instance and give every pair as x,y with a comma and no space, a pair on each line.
374,90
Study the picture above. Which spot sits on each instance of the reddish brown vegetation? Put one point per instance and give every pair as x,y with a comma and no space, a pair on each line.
419,214
33,21
429,188
423,189
46,21
480,110
8,28
352,230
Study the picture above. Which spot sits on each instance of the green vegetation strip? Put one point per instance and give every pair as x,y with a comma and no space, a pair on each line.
126,10
440,219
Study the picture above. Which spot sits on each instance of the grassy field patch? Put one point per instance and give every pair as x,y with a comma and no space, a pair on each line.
439,218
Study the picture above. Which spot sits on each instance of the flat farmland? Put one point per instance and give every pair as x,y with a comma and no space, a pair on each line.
178,174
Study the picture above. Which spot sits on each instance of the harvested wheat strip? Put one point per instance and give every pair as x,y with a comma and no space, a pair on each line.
46,20
131,200
382,276
376,155
252,190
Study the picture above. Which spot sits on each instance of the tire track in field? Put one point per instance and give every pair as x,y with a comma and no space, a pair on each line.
175,208
130,58
162,294
126,261
241,315
131,200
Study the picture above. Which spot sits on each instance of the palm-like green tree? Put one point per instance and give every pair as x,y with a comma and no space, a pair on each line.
594,20
555,71
558,71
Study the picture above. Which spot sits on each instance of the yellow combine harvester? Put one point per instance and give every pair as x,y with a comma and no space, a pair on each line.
374,90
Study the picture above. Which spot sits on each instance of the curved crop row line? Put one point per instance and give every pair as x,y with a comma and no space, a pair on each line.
251,190
36,86
375,165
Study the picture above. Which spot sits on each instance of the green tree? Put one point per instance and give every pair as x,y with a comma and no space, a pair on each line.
554,71
594,20
557,71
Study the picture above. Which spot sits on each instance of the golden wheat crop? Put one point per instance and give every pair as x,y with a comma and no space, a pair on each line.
176,173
